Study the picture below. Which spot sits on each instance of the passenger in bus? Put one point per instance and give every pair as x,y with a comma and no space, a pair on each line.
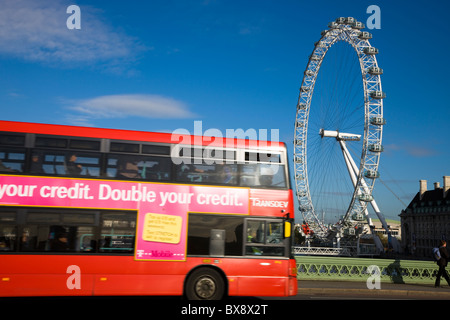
73,168
106,244
223,174
60,243
36,164
189,172
27,243
129,170
151,171
253,236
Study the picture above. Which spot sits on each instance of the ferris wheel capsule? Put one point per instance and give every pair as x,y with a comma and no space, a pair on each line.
378,121
365,197
378,94
372,174
358,217
358,25
375,71
376,147
365,35
350,20
370,50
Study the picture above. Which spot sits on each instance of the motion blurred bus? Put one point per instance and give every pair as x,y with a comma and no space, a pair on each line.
88,211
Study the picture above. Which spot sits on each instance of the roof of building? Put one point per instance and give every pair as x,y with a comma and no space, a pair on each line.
436,194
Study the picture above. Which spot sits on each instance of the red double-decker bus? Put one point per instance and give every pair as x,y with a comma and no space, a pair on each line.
89,211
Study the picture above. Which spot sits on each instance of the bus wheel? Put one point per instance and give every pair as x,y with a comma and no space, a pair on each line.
205,284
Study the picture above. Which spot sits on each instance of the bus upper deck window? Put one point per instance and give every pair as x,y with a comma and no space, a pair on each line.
263,175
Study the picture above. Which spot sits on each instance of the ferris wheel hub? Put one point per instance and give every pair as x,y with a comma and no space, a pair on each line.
340,136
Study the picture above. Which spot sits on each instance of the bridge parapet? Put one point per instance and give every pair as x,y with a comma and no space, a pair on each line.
356,269
322,251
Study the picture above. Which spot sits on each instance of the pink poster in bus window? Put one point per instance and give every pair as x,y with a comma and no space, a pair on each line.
162,228
161,231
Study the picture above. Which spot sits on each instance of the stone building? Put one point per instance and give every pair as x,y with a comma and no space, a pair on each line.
394,228
426,220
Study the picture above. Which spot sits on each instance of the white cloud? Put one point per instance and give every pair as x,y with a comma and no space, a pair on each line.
128,105
417,150
37,31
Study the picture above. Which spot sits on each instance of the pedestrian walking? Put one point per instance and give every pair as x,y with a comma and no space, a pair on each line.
442,263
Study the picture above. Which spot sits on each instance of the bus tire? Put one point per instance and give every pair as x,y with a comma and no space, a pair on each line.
205,284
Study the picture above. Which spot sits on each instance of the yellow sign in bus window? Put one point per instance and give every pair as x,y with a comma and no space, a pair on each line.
162,228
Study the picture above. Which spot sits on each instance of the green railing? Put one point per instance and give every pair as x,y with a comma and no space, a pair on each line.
359,269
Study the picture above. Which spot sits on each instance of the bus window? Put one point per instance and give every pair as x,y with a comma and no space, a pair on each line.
199,233
7,237
84,144
56,230
117,232
265,238
12,160
156,149
57,238
263,175
138,167
8,231
12,139
263,157
194,173
65,163
71,143
221,174
124,147
255,231
275,232
123,167
82,164
54,163
226,173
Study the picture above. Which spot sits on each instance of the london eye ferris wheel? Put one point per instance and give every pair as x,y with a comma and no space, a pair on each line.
338,128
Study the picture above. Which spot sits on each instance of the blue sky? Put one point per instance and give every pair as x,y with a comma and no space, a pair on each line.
161,65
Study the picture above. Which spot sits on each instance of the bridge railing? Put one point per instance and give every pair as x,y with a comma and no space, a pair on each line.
356,269
322,251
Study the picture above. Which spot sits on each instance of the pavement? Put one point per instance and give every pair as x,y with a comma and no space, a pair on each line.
336,288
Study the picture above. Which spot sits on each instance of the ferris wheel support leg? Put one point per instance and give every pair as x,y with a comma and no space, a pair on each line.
355,172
